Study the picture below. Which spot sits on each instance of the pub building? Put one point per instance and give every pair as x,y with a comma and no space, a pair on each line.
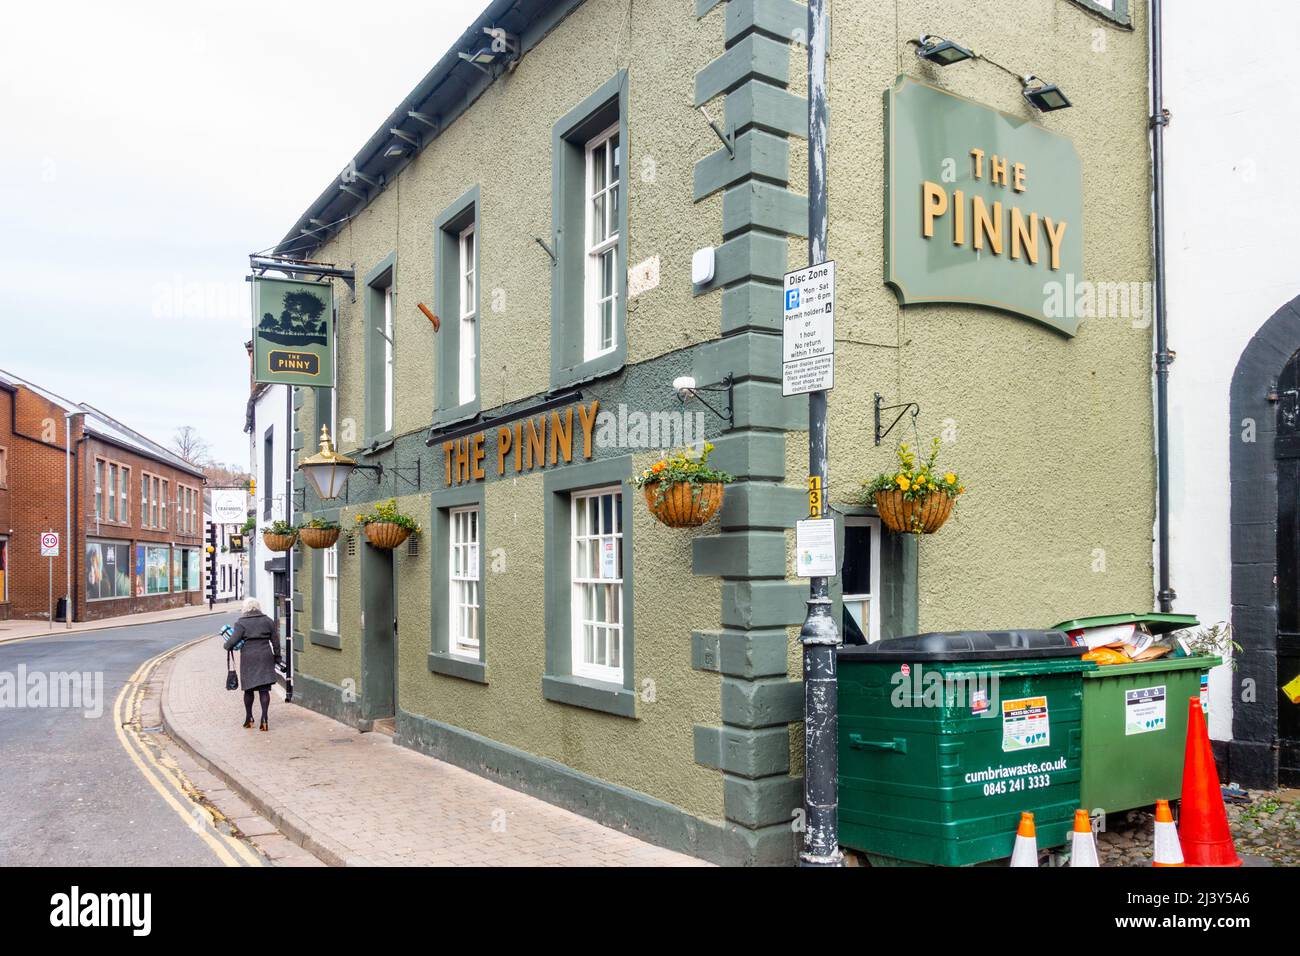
582,207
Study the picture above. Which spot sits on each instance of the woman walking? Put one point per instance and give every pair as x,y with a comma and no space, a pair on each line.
259,656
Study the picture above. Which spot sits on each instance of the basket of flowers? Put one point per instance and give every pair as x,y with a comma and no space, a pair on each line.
319,533
682,489
386,527
915,498
280,536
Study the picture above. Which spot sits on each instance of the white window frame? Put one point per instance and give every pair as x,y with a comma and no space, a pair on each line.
162,504
389,370
467,283
872,600
582,584
594,297
329,590
464,586
101,467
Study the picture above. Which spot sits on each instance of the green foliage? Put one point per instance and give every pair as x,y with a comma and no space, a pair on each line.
687,466
914,480
249,526
320,524
388,514
281,527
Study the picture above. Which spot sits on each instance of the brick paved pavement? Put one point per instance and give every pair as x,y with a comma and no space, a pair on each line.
359,799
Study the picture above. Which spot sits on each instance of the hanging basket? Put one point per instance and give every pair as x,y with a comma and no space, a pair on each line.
385,534
684,505
279,542
921,516
318,537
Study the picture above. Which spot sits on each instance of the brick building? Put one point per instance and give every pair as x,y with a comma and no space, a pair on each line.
137,511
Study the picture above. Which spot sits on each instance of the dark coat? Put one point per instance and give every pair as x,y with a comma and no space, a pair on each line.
261,650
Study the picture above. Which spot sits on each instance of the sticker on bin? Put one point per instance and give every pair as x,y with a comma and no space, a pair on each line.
1144,710
1025,724
1205,692
979,702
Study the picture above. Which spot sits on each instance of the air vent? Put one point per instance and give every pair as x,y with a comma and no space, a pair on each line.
413,546
352,545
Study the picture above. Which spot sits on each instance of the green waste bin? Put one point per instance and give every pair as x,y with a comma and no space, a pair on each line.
1135,719
944,739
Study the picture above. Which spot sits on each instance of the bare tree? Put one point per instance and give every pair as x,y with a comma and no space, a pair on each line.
189,444
223,476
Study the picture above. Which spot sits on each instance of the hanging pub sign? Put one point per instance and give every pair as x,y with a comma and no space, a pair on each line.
293,332
982,207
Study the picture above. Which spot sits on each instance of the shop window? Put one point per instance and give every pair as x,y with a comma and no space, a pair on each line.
589,212
463,597
108,570
860,580
190,576
330,588
457,301
381,349
154,563
588,528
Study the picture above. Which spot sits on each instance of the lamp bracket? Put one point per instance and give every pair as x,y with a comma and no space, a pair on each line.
728,385
880,406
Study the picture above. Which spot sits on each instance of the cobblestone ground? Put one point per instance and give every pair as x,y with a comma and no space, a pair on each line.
1267,827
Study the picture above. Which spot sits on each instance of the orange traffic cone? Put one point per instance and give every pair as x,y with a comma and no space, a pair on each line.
1204,834
1083,845
1025,852
1168,851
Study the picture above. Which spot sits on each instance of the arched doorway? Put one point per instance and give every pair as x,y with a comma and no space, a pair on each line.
1287,451
1265,523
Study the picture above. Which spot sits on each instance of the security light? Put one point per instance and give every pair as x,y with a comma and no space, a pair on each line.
941,52
1045,97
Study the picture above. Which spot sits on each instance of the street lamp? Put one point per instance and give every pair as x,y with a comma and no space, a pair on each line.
327,470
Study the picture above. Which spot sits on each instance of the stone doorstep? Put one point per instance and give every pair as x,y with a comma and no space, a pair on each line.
288,825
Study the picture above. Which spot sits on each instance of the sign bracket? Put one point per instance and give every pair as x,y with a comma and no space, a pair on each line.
881,407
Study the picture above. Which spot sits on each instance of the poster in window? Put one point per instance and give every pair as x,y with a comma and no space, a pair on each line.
156,562
193,569
139,570
108,570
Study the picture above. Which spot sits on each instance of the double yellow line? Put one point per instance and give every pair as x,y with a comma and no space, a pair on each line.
165,776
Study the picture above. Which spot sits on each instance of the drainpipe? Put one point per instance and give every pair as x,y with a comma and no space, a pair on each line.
819,635
69,538
1164,357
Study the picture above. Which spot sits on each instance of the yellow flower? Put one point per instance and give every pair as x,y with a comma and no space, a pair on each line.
903,483
950,478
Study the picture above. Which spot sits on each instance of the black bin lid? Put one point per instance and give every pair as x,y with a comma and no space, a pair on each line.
965,646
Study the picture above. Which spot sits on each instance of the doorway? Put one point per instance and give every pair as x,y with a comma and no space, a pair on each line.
1287,451
378,635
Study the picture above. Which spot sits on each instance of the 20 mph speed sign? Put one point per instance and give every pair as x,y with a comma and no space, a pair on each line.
808,330
49,544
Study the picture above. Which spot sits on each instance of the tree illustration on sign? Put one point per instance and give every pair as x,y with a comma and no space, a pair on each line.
300,323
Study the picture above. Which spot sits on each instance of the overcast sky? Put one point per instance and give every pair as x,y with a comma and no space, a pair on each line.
145,149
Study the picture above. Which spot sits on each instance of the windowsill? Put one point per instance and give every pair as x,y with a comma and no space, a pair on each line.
1121,19
450,665
325,639
591,694
600,366
380,443
446,417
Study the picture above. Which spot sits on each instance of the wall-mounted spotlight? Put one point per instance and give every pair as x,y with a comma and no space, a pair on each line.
503,47
1045,97
686,388
941,52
